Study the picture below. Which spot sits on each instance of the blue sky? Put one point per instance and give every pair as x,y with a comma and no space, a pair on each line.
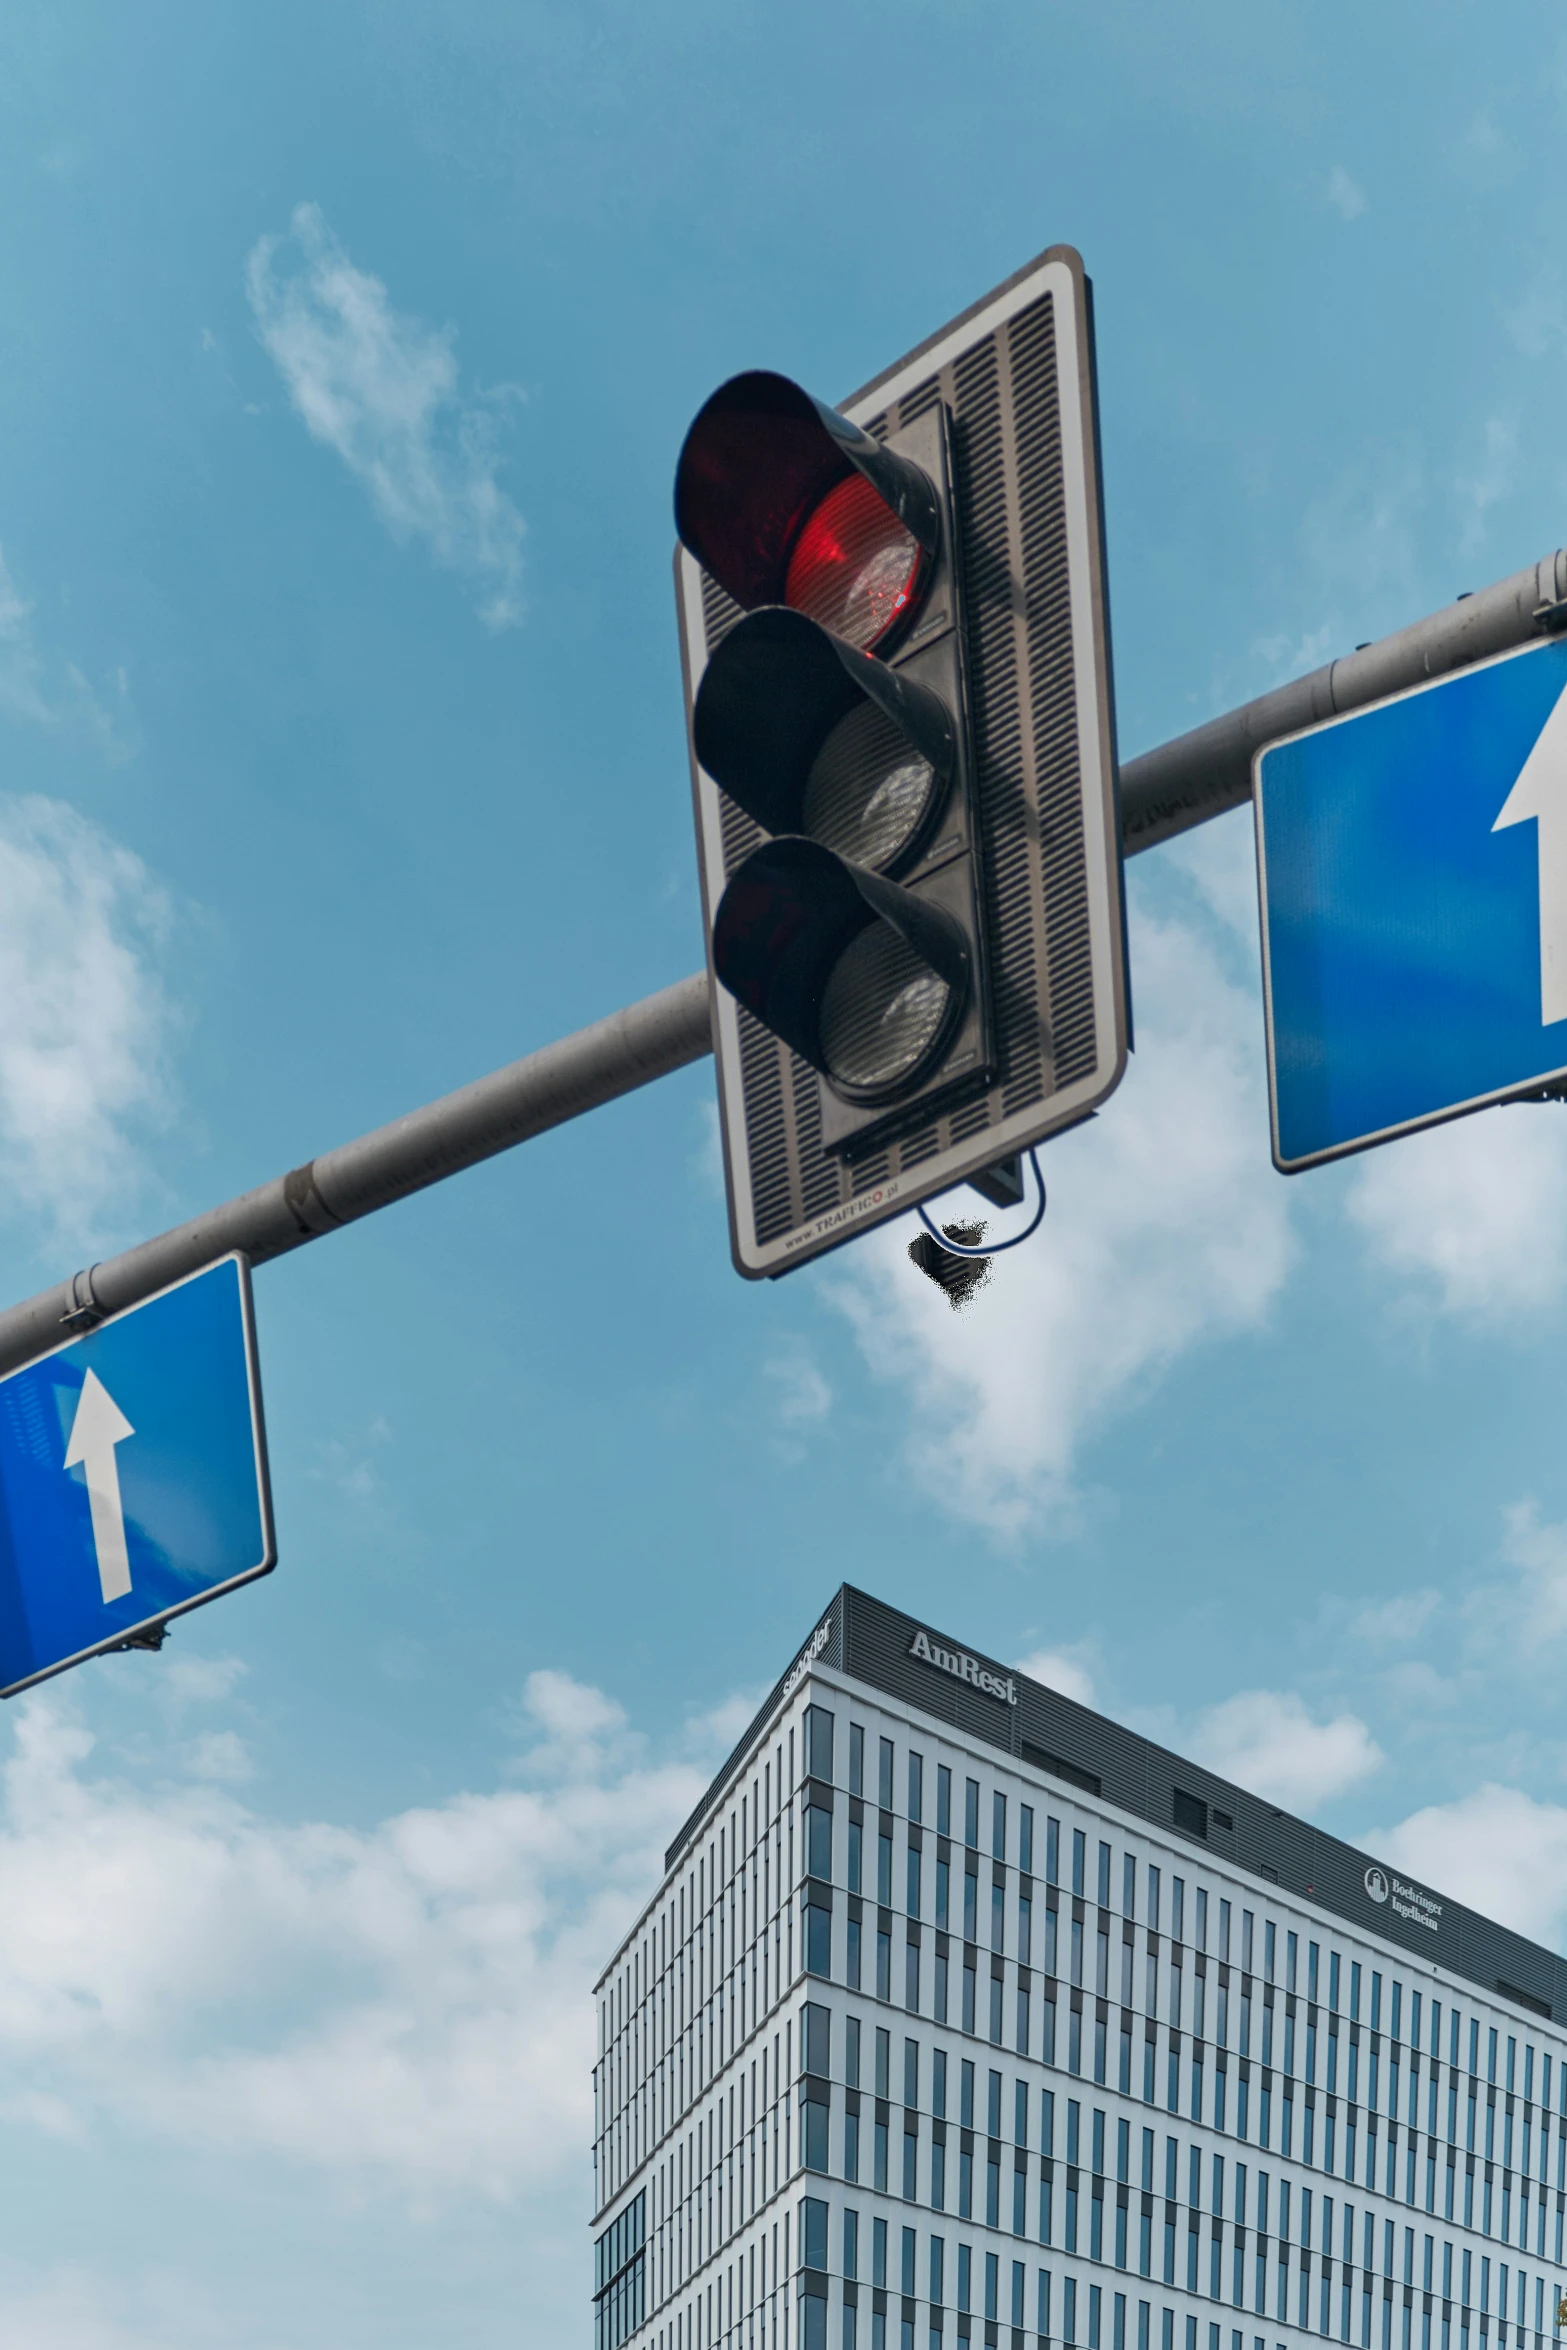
344,359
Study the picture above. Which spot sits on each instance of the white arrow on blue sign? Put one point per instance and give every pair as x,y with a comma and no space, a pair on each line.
133,1476
1412,861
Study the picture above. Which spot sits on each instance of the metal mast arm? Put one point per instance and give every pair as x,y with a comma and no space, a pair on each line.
1203,773
648,1039
1163,792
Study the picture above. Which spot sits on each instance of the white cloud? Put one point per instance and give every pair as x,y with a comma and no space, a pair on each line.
1402,1618
404,2005
714,1734
66,2312
1059,1669
222,1756
1361,538
1473,1215
1167,1227
581,1728
84,1021
128,2305
1537,1604
1537,322
382,390
348,1468
1496,1849
1491,480
1219,859
199,1680
1346,196
1483,142
51,691
20,686
1416,1686
1514,1615
708,1158
803,1392
1266,1741
70,2311
1286,657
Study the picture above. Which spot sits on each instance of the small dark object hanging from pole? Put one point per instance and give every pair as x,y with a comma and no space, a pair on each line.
959,1278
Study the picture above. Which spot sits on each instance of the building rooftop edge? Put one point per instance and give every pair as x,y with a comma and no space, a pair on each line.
1451,1937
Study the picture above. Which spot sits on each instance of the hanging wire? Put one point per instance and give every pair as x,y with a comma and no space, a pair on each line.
992,1248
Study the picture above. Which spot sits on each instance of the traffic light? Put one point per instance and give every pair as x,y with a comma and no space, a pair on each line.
897,675
834,716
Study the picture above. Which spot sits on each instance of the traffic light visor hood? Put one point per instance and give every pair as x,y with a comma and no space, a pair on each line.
861,978
809,736
784,501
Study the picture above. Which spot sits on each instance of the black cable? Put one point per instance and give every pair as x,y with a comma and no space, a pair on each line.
992,1248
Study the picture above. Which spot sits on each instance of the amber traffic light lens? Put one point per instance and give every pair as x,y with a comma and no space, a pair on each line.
883,1010
870,791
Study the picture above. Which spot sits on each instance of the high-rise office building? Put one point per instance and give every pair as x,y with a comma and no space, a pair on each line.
964,2015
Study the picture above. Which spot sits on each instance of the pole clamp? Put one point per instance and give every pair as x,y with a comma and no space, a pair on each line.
308,1210
150,1636
86,1309
1551,619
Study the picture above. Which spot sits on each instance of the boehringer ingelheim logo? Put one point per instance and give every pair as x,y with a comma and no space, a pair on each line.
1376,1884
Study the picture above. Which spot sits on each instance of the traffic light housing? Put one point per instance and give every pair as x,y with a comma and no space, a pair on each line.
834,716
896,661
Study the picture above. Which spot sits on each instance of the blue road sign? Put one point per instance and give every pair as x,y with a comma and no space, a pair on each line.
1413,868
133,1476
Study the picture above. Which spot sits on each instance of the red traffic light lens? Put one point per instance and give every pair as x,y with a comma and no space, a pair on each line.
855,568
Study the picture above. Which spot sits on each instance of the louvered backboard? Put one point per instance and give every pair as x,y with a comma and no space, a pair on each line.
1017,374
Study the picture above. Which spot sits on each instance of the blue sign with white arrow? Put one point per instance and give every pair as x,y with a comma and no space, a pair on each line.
1412,860
133,1477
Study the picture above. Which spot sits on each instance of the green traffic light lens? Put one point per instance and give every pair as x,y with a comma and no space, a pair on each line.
883,1013
871,793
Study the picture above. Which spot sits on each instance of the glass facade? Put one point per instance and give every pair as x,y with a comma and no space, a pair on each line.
865,2083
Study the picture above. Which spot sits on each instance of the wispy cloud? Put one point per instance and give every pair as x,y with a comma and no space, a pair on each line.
1167,1229
1497,1849
350,1466
1484,144
1537,321
20,686
219,1755
84,1018
1490,481
1285,657
1394,1621
1529,1608
382,390
1062,1669
707,1163
1346,196
1471,1218
436,2038
70,2310
1267,1740
186,1681
50,691
803,1392
1361,540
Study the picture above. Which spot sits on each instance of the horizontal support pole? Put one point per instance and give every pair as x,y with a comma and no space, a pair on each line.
1203,773
1164,792
649,1039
